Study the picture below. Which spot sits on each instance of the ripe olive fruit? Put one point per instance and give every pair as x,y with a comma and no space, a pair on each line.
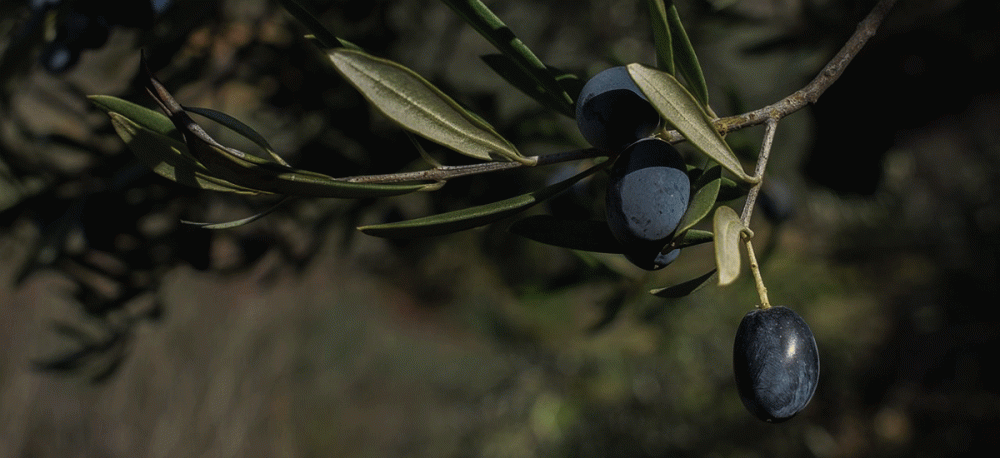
612,112
648,192
776,363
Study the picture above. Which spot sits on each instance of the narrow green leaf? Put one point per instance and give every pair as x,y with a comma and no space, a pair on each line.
477,15
661,35
728,232
168,157
508,69
239,127
252,172
307,17
148,118
703,200
693,237
684,288
420,107
685,57
565,233
468,218
680,109
239,222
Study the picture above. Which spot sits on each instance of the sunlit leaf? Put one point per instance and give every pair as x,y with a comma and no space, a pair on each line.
468,218
420,107
680,109
566,233
479,16
684,288
703,200
728,232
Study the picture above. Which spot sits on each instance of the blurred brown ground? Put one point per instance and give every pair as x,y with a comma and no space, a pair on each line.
302,337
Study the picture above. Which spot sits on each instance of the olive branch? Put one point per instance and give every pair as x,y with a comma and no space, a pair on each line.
176,147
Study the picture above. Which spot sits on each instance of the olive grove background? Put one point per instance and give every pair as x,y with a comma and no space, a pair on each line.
125,333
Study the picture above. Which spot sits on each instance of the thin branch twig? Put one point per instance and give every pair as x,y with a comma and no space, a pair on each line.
812,91
765,153
446,172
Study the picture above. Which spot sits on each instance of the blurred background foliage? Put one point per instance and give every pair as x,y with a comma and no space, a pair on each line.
126,333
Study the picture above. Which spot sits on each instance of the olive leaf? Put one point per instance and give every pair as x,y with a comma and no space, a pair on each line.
692,237
468,218
241,221
508,69
703,200
481,18
680,109
661,35
581,235
321,33
239,127
420,107
684,288
257,173
728,232
150,119
156,143
685,58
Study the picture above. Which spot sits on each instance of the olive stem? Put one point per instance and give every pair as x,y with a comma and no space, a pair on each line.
446,172
755,269
758,173
765,153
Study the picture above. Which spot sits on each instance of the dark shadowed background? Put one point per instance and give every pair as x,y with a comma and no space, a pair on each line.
124,333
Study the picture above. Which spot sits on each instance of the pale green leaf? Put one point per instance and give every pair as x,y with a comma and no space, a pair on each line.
728,232
681,110
420,107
